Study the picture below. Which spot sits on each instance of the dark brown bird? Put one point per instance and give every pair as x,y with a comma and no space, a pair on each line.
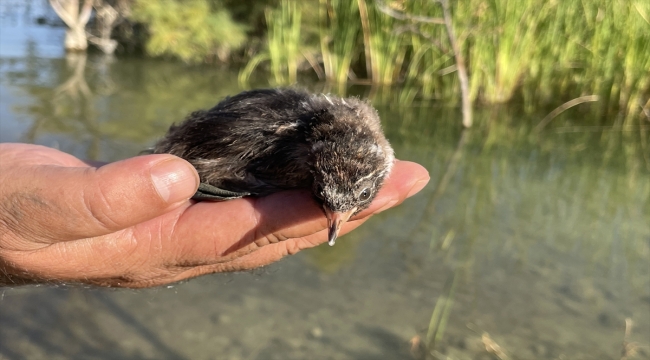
263,141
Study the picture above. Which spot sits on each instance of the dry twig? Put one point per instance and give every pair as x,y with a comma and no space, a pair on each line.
492,347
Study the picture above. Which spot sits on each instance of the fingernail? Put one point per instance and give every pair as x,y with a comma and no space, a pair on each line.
175,180
419,185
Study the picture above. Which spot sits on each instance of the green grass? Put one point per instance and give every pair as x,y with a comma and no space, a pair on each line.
539,52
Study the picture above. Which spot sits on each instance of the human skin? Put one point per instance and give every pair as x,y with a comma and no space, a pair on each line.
132,224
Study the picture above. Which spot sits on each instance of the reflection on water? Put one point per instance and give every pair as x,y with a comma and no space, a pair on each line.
524,245
100,108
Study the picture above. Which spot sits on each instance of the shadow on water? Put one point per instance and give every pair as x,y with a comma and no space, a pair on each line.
65,326
534,243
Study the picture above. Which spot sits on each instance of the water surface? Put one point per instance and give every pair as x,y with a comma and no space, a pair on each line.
539,243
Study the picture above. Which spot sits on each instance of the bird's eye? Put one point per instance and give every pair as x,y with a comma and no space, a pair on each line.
365,194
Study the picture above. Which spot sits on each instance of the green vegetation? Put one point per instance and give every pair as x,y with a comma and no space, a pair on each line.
384,47
535,51
511,215
338,32
283,44
194,30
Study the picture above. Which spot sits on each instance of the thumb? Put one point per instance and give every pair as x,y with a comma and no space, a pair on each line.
54,203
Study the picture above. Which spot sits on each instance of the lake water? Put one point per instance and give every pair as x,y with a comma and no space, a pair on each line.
523,246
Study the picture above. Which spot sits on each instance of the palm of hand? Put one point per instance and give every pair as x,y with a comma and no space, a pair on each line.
64,220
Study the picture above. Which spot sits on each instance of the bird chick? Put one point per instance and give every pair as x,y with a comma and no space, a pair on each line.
263,141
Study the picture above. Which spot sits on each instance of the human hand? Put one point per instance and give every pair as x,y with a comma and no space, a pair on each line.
131,223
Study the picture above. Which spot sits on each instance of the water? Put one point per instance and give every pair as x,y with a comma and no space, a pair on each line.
539,244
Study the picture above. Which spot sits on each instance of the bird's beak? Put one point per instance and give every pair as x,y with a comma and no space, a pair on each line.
334,221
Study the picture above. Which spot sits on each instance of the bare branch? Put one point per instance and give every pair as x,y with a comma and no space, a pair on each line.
86,11
69,19
460,65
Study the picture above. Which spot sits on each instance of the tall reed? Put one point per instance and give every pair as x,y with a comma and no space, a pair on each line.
502,45
338,30
552,51
544,52
384,48
283,44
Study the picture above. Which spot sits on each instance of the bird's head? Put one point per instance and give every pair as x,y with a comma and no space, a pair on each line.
350,159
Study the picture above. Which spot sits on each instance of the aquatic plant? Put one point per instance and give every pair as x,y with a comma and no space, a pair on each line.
283,44
546,51
338,28
385,50
537,51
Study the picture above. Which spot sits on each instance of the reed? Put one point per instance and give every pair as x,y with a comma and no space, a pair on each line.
339,28
441,313
283,44
502,46
602,50
539,52
384,49
557,51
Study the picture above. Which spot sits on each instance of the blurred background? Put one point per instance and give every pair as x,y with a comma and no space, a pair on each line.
532,240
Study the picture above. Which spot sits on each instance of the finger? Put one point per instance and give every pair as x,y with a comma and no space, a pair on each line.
407,180
269,254
202,247
218,232
29,154
205,238
55,203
